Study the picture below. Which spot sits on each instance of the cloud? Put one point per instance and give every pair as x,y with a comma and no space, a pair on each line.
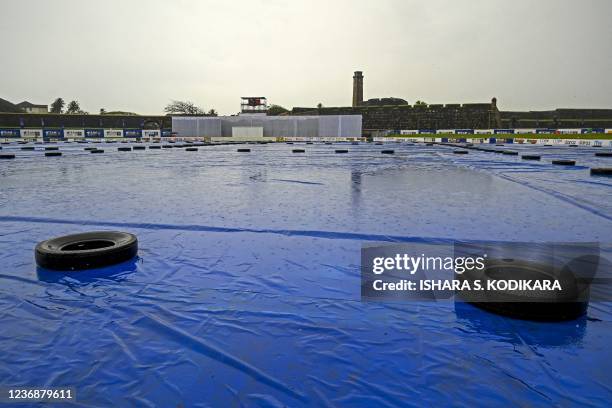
138,55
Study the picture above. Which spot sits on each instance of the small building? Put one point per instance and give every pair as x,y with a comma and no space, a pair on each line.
29,107
253,127
253,124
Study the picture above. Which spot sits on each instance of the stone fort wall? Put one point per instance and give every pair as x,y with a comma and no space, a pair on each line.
449,116
465,116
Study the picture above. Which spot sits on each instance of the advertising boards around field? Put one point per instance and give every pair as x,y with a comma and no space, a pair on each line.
464,131
94,133
132,133
503,131
445,131
151,133
483,131
525,131
53,134
565,142
10,134
31,133
74,133
568,131
582,142
409,132
113,133
591,130
427,131
521,140
545,131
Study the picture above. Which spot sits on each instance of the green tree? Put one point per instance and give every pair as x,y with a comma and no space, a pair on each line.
102,111
276,110
57,106
420,103
183,108
73,107
319,105
212,112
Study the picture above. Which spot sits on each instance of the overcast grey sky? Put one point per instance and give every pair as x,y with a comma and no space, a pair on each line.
138,55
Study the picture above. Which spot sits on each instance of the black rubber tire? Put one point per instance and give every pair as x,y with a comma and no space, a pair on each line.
243,150
89,148
51,148
167,146
510,153
309,143
499,151
298,151
387,151
530,157
378,143
572,145
570,303
124,149
102,248
97,151
460,152
340,151
564,162
601,171
27,148
7,156
603,154
289,143
499,144
155,147
53,154
139,147
191,149
429,144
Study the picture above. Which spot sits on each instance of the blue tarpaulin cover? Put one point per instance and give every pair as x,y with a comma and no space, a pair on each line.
246,290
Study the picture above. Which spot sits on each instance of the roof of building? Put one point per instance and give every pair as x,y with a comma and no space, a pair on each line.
6,106
26,104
